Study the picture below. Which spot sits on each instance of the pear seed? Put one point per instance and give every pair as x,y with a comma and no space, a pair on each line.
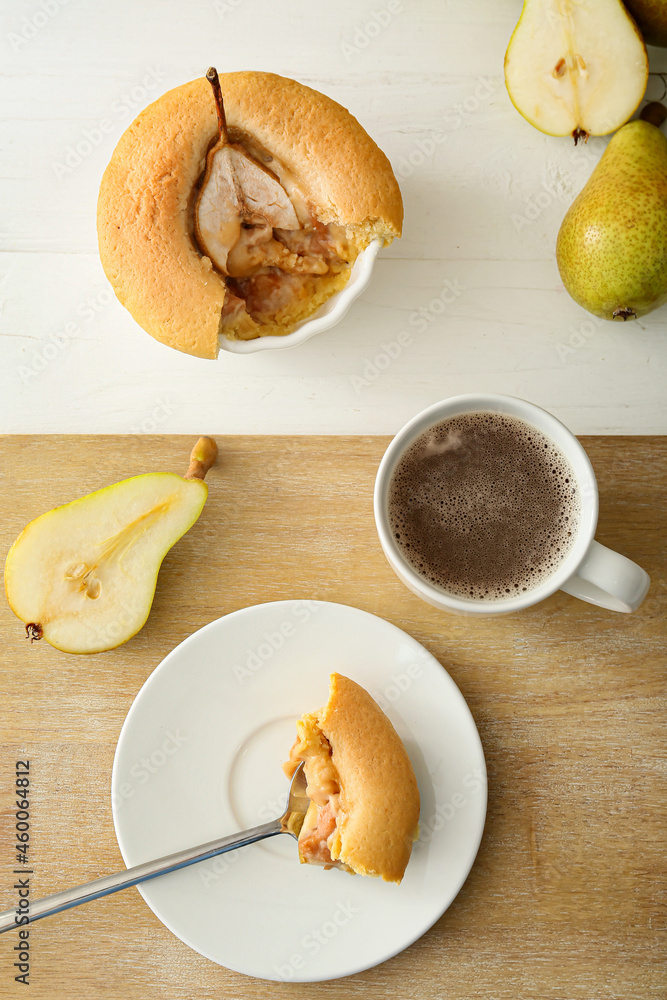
559,68
93,589
76,572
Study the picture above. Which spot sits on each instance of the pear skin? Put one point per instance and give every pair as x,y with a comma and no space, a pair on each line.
83,575
612,245
651,18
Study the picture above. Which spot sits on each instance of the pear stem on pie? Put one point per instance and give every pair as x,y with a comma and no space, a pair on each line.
247,225
202,458
214,80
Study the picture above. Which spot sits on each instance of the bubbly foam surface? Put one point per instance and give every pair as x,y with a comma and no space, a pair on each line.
484,506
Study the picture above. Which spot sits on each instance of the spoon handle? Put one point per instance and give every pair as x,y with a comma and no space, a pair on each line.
139,873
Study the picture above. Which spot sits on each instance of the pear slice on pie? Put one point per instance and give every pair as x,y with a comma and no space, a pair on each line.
240,202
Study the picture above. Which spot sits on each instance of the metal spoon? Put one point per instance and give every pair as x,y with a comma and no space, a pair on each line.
290,822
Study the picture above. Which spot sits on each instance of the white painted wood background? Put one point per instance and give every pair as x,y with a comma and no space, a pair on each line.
484,197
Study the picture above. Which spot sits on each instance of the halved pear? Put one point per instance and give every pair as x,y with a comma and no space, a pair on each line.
239,205
83,575
576,68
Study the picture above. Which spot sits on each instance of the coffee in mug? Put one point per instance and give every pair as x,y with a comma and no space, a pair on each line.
486,504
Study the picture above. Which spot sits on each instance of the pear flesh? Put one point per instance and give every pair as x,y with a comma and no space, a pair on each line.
237,197
576,68
239,207
259,231
612,244
83,575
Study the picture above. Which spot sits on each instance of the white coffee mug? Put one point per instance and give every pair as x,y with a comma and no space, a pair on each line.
589,571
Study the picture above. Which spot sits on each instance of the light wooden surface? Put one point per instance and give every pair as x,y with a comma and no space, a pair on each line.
567,897
473,282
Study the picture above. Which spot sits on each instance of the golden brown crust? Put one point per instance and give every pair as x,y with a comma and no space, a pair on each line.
379,799
348,178
146,193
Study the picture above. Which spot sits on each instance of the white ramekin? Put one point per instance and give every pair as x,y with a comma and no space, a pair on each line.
330,313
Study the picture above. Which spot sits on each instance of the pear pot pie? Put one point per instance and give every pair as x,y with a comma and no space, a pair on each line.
235,206
364,810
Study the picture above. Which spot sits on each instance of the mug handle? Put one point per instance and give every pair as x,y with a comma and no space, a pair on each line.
608,579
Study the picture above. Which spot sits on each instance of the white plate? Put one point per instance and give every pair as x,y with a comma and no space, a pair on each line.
330,313
199,756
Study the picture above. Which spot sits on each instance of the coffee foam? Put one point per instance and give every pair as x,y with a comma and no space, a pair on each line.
484,506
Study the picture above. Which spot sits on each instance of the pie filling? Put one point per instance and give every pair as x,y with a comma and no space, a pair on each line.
319,833
278,261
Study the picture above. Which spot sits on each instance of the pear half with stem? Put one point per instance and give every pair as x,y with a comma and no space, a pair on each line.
612,245
239,205
576,68
83,575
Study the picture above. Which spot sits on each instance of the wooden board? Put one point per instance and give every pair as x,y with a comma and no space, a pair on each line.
567,897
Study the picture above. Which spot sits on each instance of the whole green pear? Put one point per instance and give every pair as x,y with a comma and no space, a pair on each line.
612,245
